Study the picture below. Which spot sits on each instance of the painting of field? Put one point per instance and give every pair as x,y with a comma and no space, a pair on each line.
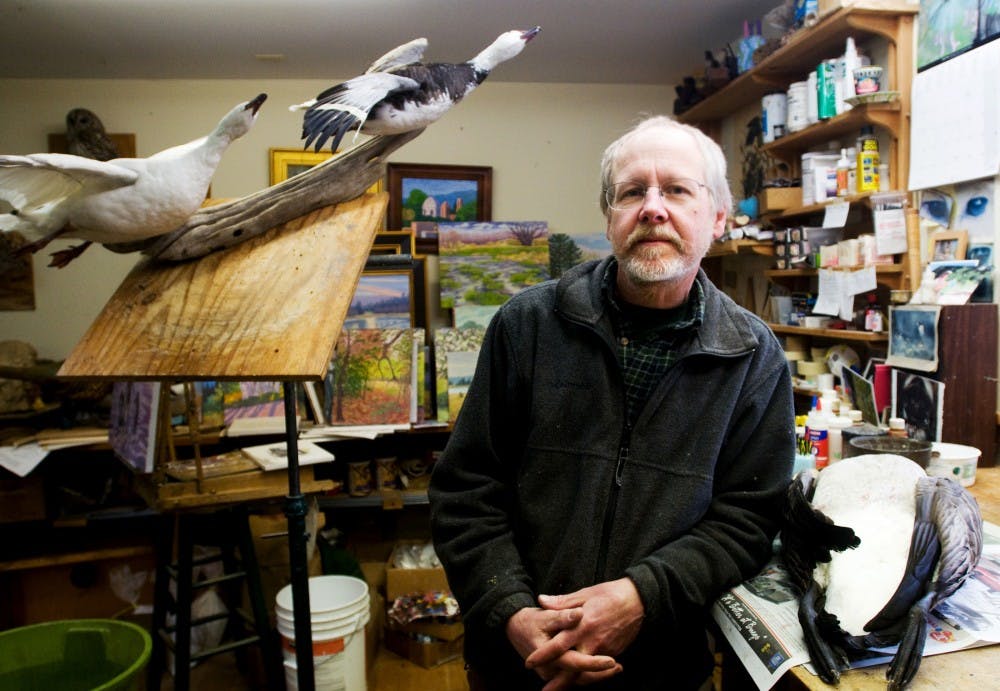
483,264
370,379
447,342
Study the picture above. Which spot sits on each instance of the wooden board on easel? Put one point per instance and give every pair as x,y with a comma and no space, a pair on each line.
270,308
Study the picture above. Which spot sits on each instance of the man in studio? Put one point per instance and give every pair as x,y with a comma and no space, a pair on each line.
620,457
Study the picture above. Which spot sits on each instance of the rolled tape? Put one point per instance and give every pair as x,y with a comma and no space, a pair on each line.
810,368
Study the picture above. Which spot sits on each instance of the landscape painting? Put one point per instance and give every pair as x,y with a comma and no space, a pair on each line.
483,264
382,300
252,399
433,192
370,379
448,342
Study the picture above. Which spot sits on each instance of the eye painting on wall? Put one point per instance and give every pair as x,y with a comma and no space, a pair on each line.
964,206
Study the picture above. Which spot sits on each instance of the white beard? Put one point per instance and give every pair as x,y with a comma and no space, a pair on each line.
649,265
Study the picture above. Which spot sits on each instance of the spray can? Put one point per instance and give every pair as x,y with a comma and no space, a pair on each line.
868,160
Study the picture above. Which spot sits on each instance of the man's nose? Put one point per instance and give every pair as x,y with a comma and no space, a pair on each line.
653,210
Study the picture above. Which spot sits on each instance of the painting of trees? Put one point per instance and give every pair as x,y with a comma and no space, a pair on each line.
370,378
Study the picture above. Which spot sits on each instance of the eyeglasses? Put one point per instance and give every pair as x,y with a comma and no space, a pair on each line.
679,193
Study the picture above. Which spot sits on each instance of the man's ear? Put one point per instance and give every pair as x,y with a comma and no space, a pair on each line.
719,226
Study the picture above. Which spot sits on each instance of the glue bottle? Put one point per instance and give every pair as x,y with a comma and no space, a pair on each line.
817,431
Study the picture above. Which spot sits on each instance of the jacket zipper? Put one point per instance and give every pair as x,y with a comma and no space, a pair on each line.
609,515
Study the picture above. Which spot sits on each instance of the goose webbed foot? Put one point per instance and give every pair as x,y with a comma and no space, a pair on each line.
64,257
825,658
906,662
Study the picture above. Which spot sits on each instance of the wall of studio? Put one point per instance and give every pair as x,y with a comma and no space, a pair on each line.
544,142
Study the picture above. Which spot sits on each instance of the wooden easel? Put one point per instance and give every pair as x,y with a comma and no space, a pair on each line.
270,309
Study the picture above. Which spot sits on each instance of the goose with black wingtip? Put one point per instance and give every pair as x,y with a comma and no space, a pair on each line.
399,94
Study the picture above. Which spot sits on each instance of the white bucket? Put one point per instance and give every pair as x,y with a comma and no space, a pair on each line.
955,461
339,612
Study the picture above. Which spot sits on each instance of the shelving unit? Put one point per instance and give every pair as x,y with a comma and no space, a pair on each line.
892,22
889,23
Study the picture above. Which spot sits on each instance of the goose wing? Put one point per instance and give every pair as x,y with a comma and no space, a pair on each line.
345,106
406,54
35,185
948,539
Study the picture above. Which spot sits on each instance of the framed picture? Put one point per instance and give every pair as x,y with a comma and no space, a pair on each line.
913,337
389,299
286,163
948,245
434,192
392,242
17,279
951,27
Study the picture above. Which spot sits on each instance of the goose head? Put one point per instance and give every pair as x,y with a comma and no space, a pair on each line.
240,119
507,45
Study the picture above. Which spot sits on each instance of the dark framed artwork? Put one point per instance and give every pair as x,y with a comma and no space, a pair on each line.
17,278
437,192
392,242
389,299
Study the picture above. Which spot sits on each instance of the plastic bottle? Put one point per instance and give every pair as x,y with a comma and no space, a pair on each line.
817,431
868,160
835,436
852,170
851,60
843,168
874,316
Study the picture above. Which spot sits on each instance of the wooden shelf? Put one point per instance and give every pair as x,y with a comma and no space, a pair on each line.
835,334
885,115
888,269
804,48
731,247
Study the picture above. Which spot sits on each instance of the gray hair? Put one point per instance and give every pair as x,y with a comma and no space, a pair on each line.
711,153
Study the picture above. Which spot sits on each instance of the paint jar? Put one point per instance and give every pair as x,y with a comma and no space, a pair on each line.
774,115
867,79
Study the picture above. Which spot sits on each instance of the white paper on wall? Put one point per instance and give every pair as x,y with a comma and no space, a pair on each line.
955,131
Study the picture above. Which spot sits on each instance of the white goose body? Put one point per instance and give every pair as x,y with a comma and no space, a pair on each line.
121,200
398,93
858,582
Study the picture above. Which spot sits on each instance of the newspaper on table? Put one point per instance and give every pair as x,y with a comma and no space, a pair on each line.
759,618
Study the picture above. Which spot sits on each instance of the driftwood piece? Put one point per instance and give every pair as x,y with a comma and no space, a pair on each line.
336,180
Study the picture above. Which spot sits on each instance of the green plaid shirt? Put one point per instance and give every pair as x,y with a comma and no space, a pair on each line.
646,339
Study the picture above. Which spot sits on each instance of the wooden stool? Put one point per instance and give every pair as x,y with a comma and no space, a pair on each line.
228,529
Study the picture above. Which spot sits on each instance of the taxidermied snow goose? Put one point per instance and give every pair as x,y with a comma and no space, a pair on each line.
399,94
874,544
121,200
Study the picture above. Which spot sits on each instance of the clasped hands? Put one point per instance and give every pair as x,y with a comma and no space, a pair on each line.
572,639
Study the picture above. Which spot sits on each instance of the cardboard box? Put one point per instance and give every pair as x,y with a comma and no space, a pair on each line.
424,651
775,199
405,581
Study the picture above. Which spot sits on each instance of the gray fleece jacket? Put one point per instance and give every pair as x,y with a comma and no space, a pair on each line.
545,488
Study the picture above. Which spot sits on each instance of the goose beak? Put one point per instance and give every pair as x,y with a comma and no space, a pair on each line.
530,34
255,104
